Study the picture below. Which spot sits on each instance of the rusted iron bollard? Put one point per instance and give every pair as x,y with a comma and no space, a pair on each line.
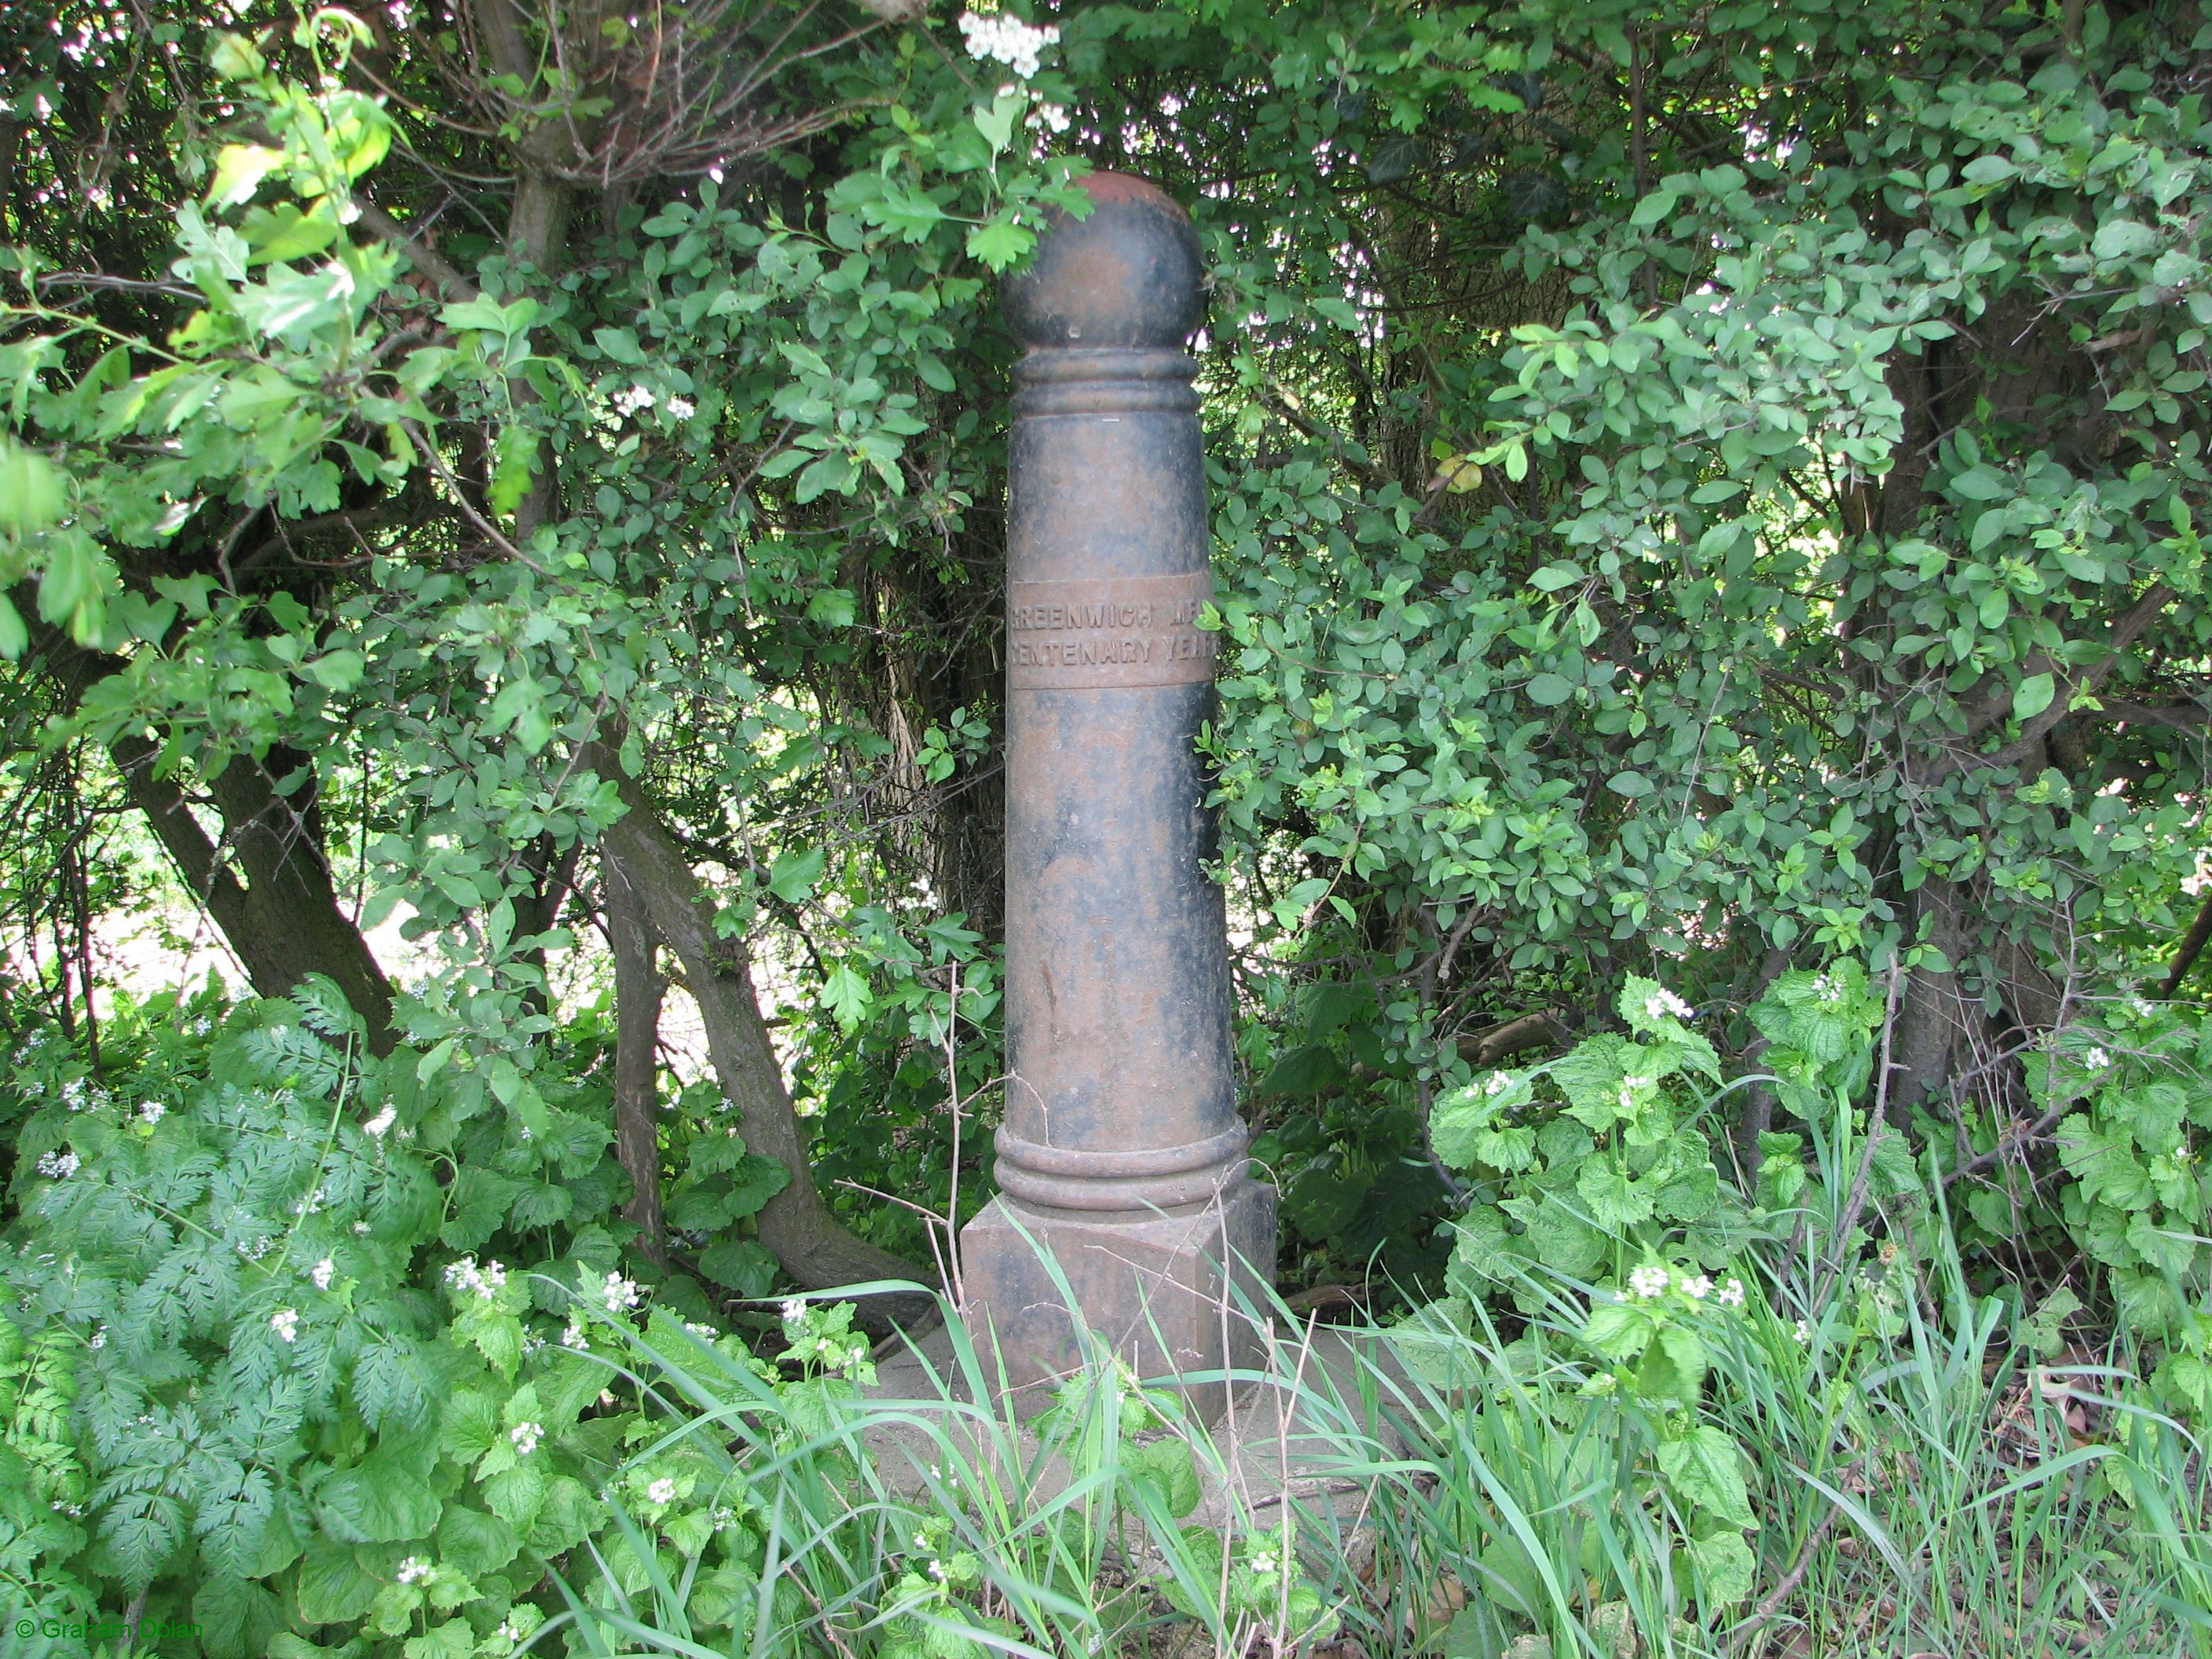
1121,1153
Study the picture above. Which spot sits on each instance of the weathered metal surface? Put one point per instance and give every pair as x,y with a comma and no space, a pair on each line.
1121,1140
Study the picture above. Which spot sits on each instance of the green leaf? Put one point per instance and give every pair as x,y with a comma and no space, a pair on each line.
2034,695
999,244
847,996
792,876
1633,785
742,1265
1727,1572
1705,1467
239,171
282,232
33,491
1549,690
1167,1466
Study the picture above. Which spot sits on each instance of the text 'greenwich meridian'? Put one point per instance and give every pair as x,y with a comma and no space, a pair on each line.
1136,631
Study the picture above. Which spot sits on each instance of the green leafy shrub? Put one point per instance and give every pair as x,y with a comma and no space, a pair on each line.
303,1342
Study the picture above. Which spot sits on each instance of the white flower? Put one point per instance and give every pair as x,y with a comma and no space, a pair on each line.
619,1293
2096,1060
1732,1293
1698,1289
662,1490
627,403
509,1630
1827,991
707,1332
382,1121
1646,1283
98,1337
1803,1333
525,1437
361,1229
151,1111
682,409
1048,116
1661,1003
285,1322
1006,39
58,1166
1498,1083
323,1271
415,1569
795,1309
574,1337
486,1281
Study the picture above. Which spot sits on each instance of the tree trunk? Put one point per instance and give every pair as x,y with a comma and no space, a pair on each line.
638,990
283,921
813,1245
1931,1018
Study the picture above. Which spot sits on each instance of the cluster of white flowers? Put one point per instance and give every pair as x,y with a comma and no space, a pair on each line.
2096,1060
682,409
311,1205
415,1570
662,1490
1047,117
1498,1083
627,403
725,1517
794,1311
1632,1089
1698,1289
361,1229
525,1437
323,1273
1827,991
1660,1004
1803,1333
98,1337
509,1630
151,1111
574,1337
254,1251
704,1333
1732,1294
1647,1282
619,1293
73,1093
58,1166
1006,39
487,1281
381,1122
285,1322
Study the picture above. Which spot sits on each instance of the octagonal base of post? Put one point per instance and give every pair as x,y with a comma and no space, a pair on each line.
1167,1291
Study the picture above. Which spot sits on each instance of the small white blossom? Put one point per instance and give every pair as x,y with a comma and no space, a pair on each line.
574,1337
1052,118
1496,1084
1698,1289
1006,39
58,1166
98,1337
525,1437
1826,991
361,1229
619,1293
322,1273
706,1332
151,1111
486,1281
509,1630
795,1309
1647,1282
382,1121
1803,1333
682,409
1732,1293
1660,1004
662,1490
285,1322
415,1570
2096,1060
627,403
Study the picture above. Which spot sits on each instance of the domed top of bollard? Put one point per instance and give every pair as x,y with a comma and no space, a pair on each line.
1128,277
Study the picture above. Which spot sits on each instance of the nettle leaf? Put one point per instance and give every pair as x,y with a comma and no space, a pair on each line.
1705,1468
332,1585
742,1265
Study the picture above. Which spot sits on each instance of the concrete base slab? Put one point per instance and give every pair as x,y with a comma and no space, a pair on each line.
1167,1291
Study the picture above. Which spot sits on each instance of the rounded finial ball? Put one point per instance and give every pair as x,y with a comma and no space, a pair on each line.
1127,276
